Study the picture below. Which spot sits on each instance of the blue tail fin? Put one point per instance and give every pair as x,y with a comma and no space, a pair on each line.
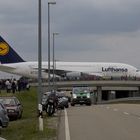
7,54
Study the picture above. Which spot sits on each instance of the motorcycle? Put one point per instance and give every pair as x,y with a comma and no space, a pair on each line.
50,107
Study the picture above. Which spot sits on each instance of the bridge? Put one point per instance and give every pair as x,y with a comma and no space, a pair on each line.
102,83
104,89
95,83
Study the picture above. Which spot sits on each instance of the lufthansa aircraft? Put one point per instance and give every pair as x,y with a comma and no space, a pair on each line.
11,62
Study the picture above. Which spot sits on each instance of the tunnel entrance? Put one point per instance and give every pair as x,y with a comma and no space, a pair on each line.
118,94
122,94
105,95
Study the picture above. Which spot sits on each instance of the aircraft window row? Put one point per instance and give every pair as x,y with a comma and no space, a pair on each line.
76,65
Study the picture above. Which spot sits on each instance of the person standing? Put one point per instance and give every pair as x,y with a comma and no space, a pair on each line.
13,87
8,86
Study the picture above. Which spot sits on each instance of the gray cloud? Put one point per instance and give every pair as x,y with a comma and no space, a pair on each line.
99,17
89,30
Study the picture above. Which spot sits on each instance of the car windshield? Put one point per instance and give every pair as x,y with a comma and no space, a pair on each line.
80,90
7,101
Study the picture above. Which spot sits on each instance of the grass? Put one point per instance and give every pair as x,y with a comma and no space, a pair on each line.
26,128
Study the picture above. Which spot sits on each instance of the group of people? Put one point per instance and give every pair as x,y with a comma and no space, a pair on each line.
13,85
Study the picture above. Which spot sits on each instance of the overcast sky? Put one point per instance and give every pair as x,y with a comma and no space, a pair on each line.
90,30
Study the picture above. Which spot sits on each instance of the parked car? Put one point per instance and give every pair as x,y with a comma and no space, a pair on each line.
4,120
63,101
13,106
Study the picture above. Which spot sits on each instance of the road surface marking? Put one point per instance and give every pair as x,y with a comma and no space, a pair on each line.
107,107
126,113
67,132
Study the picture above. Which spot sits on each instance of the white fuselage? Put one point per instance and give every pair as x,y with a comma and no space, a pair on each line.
30,69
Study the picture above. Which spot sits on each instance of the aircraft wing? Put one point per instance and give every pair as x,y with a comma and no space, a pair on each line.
58,72
63,72
6,68
96,74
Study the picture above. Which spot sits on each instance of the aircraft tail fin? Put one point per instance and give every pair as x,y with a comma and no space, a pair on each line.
7,54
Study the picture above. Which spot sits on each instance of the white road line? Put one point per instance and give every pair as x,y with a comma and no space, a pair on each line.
107,107
126,113
67,132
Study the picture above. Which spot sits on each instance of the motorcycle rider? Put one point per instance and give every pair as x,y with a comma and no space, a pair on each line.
53,97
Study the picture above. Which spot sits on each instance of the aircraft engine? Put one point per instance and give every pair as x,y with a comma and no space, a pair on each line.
73,74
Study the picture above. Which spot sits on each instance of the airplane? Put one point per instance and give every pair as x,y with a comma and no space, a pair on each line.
11,62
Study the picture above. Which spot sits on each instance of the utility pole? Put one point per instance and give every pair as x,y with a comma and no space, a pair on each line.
40,112
49,3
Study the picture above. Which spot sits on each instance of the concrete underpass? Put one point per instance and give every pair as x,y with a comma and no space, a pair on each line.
108,95
105,95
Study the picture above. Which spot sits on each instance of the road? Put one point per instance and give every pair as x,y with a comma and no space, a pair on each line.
100,122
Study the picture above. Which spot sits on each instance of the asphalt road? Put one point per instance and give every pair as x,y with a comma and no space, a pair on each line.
100,122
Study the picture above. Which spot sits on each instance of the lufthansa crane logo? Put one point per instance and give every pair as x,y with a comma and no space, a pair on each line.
4,48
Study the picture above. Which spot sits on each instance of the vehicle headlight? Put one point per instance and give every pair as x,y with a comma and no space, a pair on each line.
74,96
11,110
88,95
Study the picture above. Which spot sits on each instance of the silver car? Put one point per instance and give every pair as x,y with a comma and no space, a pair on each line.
4,120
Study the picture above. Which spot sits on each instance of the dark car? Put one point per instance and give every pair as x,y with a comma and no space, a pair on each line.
63,101
13,106
4,120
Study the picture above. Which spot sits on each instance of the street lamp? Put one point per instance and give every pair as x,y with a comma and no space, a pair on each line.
49,3
39,68
54,59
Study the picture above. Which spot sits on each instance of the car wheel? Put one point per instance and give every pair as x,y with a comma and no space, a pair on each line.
20,116
89,104
0,124
72,104
62,108
67,106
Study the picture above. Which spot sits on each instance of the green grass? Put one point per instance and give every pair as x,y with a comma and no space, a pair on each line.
26,128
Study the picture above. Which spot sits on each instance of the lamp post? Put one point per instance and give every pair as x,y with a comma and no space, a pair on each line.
54,59
39,68
49,3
